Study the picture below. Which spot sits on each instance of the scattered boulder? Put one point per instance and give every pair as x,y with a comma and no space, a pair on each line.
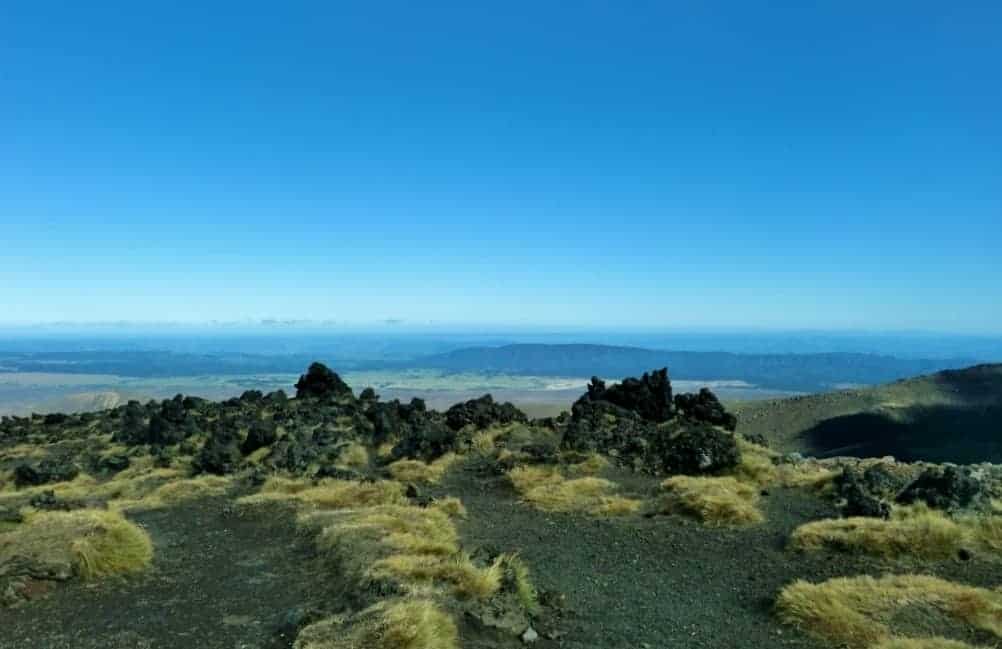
885,479
606,428
48,501
693,449
46,471
427,440
12,516
111,464
704,406
220,454
851,486
320,382
650,396
483,412
261,434
949,487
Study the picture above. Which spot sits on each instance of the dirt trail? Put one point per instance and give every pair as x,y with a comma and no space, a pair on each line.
219,581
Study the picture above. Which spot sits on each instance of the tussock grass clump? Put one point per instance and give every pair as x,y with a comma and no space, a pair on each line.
922,643
756,465
411,623
468,580
518,572
418,471
93,542
354,456
711,500
857,612
914,530
547,489
412,547
327,494
177,491
341,494
400,528
809,475
450,505
590,466
759,466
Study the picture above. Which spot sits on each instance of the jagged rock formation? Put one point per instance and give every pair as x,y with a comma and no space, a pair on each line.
481,413
640,422
320,382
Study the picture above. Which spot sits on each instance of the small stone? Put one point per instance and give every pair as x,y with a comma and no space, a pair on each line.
530,636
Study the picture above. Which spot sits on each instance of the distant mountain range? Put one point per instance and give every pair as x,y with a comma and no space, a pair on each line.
797,372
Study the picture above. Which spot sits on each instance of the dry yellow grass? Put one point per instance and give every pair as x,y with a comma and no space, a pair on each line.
914,531
922,643
452,506
354,456
485,442
547,489
417,471
23,452
592,465
176,492
327,494
808,475
857,611
91,542
342,494
420,570
518,572
258,456
409,623
756,464
711,500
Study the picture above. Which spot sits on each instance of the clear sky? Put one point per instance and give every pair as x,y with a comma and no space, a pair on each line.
656,164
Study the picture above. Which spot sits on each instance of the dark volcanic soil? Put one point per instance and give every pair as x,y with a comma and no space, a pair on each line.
218,580
666,582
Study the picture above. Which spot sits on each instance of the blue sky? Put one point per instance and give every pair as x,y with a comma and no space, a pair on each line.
645,164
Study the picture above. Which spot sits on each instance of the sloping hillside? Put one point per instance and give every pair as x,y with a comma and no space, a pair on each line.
954,416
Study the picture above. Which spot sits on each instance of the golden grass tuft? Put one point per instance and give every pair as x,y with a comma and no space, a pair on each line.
914,530
756,465
922,643
466,579
484,442
385,450
518,572
354,456
809,475
394,528
714,501
343,494
176,492
449,505
547,489
590,466
327,494
857,611
93,542
409,623
417,471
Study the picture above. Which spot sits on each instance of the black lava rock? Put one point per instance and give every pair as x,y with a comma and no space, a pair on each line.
320,382
704,406
947,487
483,412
